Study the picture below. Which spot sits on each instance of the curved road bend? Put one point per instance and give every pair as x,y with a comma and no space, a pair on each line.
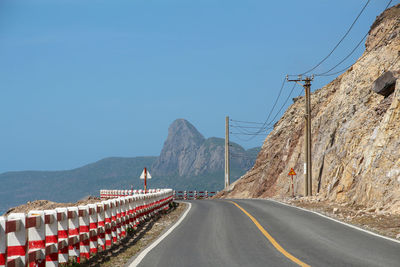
217,233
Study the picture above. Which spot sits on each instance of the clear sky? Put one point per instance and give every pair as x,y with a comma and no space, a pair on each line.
83,80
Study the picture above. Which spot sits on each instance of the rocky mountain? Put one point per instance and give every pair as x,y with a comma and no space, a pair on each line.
179,151
187,153
355,133
188,161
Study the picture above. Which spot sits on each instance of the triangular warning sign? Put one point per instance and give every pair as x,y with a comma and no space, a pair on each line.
148,176
292,172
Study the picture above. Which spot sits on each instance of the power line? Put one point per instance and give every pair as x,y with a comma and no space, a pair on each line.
286,100
340,41
265,124
346,57
245,127
248,133
359,43
249,122
276,101
246,130
259,132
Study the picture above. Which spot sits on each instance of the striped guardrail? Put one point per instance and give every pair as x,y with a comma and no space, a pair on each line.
108,194
52,237
190,195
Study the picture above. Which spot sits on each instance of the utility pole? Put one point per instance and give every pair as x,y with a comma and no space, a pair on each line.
307,166
227,151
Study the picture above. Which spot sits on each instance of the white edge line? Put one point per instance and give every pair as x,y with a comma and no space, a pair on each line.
332,219
143,254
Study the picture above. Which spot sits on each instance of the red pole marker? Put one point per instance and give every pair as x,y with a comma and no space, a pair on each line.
145,180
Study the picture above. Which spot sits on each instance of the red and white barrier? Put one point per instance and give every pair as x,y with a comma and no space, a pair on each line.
51,233
16,239
123,203
3,258
50,237
114,220
93,228
108,222
36,237
73,233
84,243
101,226
62,224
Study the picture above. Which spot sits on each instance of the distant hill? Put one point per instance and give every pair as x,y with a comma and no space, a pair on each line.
188,161
71,185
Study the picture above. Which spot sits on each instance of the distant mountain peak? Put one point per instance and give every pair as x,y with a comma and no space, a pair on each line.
187,153
179,150
183,131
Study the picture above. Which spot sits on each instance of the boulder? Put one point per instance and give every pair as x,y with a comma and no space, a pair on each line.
385,84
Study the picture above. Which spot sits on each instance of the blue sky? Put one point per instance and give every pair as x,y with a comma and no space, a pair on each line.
83,80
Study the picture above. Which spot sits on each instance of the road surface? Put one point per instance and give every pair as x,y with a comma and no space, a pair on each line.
219,233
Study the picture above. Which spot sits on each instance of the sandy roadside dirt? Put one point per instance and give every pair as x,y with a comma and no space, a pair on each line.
49,205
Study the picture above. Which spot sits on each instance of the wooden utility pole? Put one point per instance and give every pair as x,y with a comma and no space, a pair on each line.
307,165
227,151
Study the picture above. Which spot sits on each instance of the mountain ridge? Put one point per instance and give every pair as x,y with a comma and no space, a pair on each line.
19,187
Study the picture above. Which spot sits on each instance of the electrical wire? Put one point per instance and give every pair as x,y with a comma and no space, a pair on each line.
346,57
344,69
245,130
266,124
252,135
244,127
326,73
340,41
287,98
249,133
276,101
249,122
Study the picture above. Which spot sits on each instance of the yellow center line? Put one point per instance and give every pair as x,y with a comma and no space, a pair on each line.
271,239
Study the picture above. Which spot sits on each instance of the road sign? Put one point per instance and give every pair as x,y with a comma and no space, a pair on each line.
291,173
143,173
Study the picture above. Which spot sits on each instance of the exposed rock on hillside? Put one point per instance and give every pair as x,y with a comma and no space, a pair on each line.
187,153
179,150
188,161
355,134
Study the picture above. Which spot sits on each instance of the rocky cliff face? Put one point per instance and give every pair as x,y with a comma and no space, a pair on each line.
355,134
179,151
187,153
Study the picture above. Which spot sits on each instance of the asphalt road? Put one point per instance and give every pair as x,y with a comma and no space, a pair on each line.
217,233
